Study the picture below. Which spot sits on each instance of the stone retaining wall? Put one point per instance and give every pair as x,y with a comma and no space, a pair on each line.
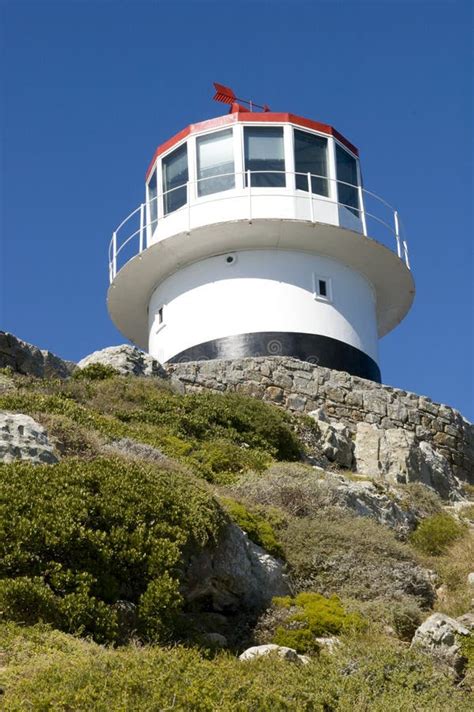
302,387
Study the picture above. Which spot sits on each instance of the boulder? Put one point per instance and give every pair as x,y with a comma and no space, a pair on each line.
366,500
439,636
335,439
22,438
467,620
127,360
395,456
233,574
258,651
29,360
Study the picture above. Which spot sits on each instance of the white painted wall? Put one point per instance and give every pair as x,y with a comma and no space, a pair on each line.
263,290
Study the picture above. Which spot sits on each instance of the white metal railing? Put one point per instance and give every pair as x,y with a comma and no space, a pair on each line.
386,220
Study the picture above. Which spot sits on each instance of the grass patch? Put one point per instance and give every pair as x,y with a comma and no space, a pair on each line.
54,671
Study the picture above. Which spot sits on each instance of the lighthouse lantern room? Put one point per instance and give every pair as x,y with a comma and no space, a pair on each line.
256,237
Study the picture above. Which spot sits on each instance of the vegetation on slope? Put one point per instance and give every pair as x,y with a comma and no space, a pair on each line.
78,537
217,435
51,670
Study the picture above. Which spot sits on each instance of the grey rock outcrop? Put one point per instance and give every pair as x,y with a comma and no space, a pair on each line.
258,651
22,438
233,574
335,439
29,360
303,491
395,456
367,500
439,636
127,360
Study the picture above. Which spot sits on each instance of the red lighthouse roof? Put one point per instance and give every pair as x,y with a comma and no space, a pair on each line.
250,117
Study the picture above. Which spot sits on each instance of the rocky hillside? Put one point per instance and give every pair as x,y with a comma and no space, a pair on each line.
261,534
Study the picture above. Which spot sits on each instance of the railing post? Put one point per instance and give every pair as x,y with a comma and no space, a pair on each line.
397,232
310,194
250,195
188,200
362,210
114,255
142,224
405,251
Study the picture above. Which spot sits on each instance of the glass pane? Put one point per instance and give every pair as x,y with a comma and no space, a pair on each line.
264,151
311,156
152,201
322,288
215,159
175,177
347,171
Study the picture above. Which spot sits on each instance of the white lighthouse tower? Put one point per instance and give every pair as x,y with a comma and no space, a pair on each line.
257,238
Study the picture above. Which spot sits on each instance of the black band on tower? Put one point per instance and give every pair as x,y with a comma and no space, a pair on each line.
320,350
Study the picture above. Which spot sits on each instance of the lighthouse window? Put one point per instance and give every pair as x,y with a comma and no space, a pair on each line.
346,166
264,151
175,177
322,288
215,161
311,156
152,201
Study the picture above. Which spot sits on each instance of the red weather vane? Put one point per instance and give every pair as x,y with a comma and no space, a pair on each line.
226,96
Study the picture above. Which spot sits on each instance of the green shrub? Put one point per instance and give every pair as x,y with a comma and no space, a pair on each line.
311,616
436,533
259,530
406,619
218,435
77,536
95,372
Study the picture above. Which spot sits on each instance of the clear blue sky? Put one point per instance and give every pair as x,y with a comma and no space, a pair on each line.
89,89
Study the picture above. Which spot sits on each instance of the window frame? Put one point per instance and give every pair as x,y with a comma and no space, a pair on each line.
328,178
163,158
328,297
196,179
357,212
151,224
283,174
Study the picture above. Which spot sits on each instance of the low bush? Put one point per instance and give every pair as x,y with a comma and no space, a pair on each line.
421,499
436,533
259,530
353,557
95,372
78,536
69,438
311,616
299,490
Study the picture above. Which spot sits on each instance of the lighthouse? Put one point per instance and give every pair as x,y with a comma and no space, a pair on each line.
257,237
